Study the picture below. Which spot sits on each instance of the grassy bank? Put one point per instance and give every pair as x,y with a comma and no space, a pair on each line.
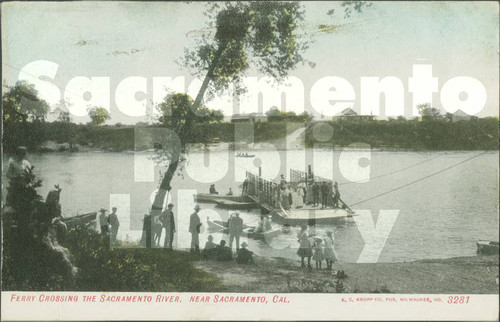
123,269
469,275
121,137
128,268
481,134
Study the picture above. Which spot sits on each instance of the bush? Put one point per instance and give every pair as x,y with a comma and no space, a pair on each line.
101,268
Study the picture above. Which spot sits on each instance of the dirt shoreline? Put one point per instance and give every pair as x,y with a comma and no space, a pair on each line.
460,275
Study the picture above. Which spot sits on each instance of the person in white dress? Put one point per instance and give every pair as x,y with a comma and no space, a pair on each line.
329,251
299,201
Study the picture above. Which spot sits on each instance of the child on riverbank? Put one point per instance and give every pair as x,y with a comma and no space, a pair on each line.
318,252
329,251
304,247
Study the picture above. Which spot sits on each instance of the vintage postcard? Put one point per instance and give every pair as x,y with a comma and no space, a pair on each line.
250,160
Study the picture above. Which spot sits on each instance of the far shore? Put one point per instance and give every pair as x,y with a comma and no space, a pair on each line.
52,148
460,275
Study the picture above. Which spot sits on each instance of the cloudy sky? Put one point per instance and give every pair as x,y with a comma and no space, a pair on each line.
124,44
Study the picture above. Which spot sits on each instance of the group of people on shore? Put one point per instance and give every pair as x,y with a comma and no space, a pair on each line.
317,248
219,252
224,253
110,224
153,226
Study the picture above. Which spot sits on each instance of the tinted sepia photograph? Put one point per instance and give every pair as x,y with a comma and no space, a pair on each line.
250,160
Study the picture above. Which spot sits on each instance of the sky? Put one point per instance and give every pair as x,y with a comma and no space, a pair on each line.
102,53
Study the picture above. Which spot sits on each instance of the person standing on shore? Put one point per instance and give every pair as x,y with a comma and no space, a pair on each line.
18,164
304,247
103,221
329,251
115,224
318,253
168,221
146,229
235,229
194,229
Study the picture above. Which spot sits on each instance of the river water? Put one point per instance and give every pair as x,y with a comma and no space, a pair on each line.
440,216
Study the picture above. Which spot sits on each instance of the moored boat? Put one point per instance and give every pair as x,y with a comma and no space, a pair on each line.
487,247
230,204
265,235
245,155
222,226
80,220
211,197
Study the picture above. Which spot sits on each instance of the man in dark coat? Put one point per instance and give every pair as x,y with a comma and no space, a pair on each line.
235,229
115,224
223,253
315,190
244,255
194,229
324,194
168,222
146,228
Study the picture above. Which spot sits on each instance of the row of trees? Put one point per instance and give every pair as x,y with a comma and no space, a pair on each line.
275,115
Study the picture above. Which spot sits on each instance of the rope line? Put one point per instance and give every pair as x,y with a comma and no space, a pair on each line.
421,179
402,169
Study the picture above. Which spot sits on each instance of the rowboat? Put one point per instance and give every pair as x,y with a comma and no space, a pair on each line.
245,155
80,220
222,226
211,197
487,247
217,225
230,204
266,235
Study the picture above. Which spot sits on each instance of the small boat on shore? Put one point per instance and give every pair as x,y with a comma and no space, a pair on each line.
222,226
265,235
211,197
80,220
487,247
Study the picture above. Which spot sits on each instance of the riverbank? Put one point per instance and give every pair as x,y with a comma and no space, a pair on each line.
394,135
461,275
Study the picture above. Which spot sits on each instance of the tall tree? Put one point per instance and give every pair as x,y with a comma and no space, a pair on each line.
262,34
23,113
21,103
65,120
98,115
429,112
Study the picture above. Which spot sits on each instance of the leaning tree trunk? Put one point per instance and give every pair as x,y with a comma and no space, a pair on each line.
183,135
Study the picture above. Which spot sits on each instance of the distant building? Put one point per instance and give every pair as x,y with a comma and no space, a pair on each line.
460,115
350,115
248,118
